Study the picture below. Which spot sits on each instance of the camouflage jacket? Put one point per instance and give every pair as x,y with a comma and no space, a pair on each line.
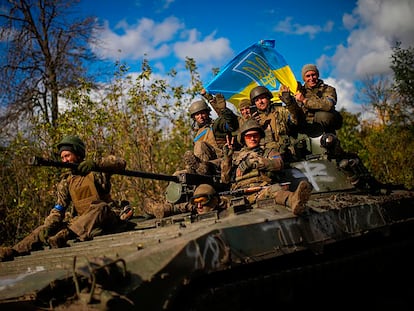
321,97
277,124
251,167
215,132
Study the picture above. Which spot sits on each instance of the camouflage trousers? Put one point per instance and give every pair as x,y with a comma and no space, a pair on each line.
99,218
38,237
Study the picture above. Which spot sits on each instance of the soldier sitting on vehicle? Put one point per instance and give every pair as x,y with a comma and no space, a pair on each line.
279,123
317,100
89,193
256,165
210,135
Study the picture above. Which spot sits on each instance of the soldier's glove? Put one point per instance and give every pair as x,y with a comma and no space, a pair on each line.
256,117
87,166
227,151
219,103
286,98
260,163
246,165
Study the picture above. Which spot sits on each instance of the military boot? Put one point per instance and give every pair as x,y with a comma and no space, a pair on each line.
7,253
192,163
295,200
60,239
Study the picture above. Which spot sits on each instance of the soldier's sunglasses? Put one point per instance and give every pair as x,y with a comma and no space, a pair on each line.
203,200
252,136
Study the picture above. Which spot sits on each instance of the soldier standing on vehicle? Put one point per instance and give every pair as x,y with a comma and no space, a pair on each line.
210,135
318,101
255,166
89,193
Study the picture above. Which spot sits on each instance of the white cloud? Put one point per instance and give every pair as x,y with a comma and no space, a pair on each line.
208,49
146,38
286,26
375,27
345,91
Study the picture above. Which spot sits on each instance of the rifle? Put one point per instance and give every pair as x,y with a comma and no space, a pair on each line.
178,190
243,191
250,190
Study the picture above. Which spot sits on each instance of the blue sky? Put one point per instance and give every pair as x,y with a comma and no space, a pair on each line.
348,40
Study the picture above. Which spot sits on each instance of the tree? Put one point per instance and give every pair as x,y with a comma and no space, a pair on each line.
43,52
377,96
403,68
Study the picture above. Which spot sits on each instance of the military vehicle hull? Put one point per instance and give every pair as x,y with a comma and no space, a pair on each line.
349,249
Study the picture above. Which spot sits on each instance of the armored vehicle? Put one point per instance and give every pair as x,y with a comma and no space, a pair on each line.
352,248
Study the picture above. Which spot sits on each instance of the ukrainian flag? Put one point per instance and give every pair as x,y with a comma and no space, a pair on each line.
259,64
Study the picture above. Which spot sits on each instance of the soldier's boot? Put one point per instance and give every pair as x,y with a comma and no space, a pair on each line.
192,162
158,209
194,165
60,239
295,200
7,253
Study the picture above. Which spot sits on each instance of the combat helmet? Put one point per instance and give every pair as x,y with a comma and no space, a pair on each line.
198,106
206,192
249,125
75,143
259,90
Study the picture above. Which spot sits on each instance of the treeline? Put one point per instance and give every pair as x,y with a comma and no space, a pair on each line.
145,120
47,93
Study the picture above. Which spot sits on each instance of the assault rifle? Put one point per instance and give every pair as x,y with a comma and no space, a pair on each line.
250,190
179,189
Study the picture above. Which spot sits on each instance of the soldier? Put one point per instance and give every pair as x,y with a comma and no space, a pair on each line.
244,108
256,165
278,122
210,135
89,193
205,199
318,101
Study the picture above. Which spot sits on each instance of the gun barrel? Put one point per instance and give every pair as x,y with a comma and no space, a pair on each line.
38,161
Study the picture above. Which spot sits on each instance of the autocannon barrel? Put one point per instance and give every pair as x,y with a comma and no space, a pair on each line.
182,178
39,161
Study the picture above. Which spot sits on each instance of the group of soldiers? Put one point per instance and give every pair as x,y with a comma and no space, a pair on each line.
246,150
250,150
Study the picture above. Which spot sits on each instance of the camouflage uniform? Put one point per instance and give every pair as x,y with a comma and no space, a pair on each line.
320,106
260,167
210,136
164,209
89,197
278,122
318,101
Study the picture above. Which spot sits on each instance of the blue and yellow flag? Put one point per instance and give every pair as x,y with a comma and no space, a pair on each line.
259,64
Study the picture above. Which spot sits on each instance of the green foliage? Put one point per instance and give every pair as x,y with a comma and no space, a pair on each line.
403,68
143,120
389,151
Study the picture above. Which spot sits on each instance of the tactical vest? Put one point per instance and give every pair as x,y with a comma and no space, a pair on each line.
254,177
83,192
274,123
